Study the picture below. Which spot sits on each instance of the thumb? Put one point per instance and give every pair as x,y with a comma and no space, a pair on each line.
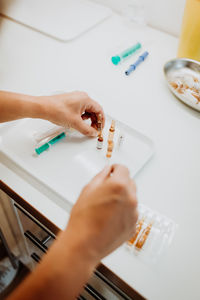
84,128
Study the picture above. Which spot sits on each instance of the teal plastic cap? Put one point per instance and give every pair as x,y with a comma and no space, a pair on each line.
42,149
115,60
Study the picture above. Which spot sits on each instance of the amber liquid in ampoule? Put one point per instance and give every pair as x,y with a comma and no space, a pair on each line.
138,229
141,241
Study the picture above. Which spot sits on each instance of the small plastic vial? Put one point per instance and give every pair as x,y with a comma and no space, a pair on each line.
110,135
120,140
99,126
109,154
99,123
110,149
100,142
111,131
110,146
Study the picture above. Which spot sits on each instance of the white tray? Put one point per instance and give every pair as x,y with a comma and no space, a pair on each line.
71,163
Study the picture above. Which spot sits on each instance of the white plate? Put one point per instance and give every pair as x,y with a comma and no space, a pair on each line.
71,163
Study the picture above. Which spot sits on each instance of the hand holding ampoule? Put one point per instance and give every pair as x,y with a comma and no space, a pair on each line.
106,211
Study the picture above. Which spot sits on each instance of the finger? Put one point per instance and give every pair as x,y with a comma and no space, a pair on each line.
88,115
103,119
134,219
84,128
120,173
94,120
92,117
101,176
132,187
94,107
133,199
85,116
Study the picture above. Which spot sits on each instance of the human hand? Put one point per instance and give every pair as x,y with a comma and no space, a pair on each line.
102,219
71,109
105,214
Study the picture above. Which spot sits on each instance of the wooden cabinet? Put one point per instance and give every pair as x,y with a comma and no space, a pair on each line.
37,238
11,229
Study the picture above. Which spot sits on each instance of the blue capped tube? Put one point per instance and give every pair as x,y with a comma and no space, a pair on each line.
137,63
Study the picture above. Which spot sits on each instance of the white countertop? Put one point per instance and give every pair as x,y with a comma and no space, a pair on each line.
33,63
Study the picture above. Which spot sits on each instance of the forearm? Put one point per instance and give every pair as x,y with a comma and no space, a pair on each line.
66,110
15,106
62,273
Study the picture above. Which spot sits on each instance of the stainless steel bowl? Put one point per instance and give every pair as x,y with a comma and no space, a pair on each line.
182,67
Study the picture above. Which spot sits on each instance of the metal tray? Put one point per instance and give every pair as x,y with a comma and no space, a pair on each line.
182,67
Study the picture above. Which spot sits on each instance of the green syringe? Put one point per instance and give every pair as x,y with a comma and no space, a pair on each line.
53,141
128,52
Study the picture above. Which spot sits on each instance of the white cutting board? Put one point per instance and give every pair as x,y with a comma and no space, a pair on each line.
71,163
60,19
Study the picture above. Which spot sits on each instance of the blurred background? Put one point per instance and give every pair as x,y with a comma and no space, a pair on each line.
161,14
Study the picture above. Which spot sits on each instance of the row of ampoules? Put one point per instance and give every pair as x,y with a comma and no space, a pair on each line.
141,235
110,145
